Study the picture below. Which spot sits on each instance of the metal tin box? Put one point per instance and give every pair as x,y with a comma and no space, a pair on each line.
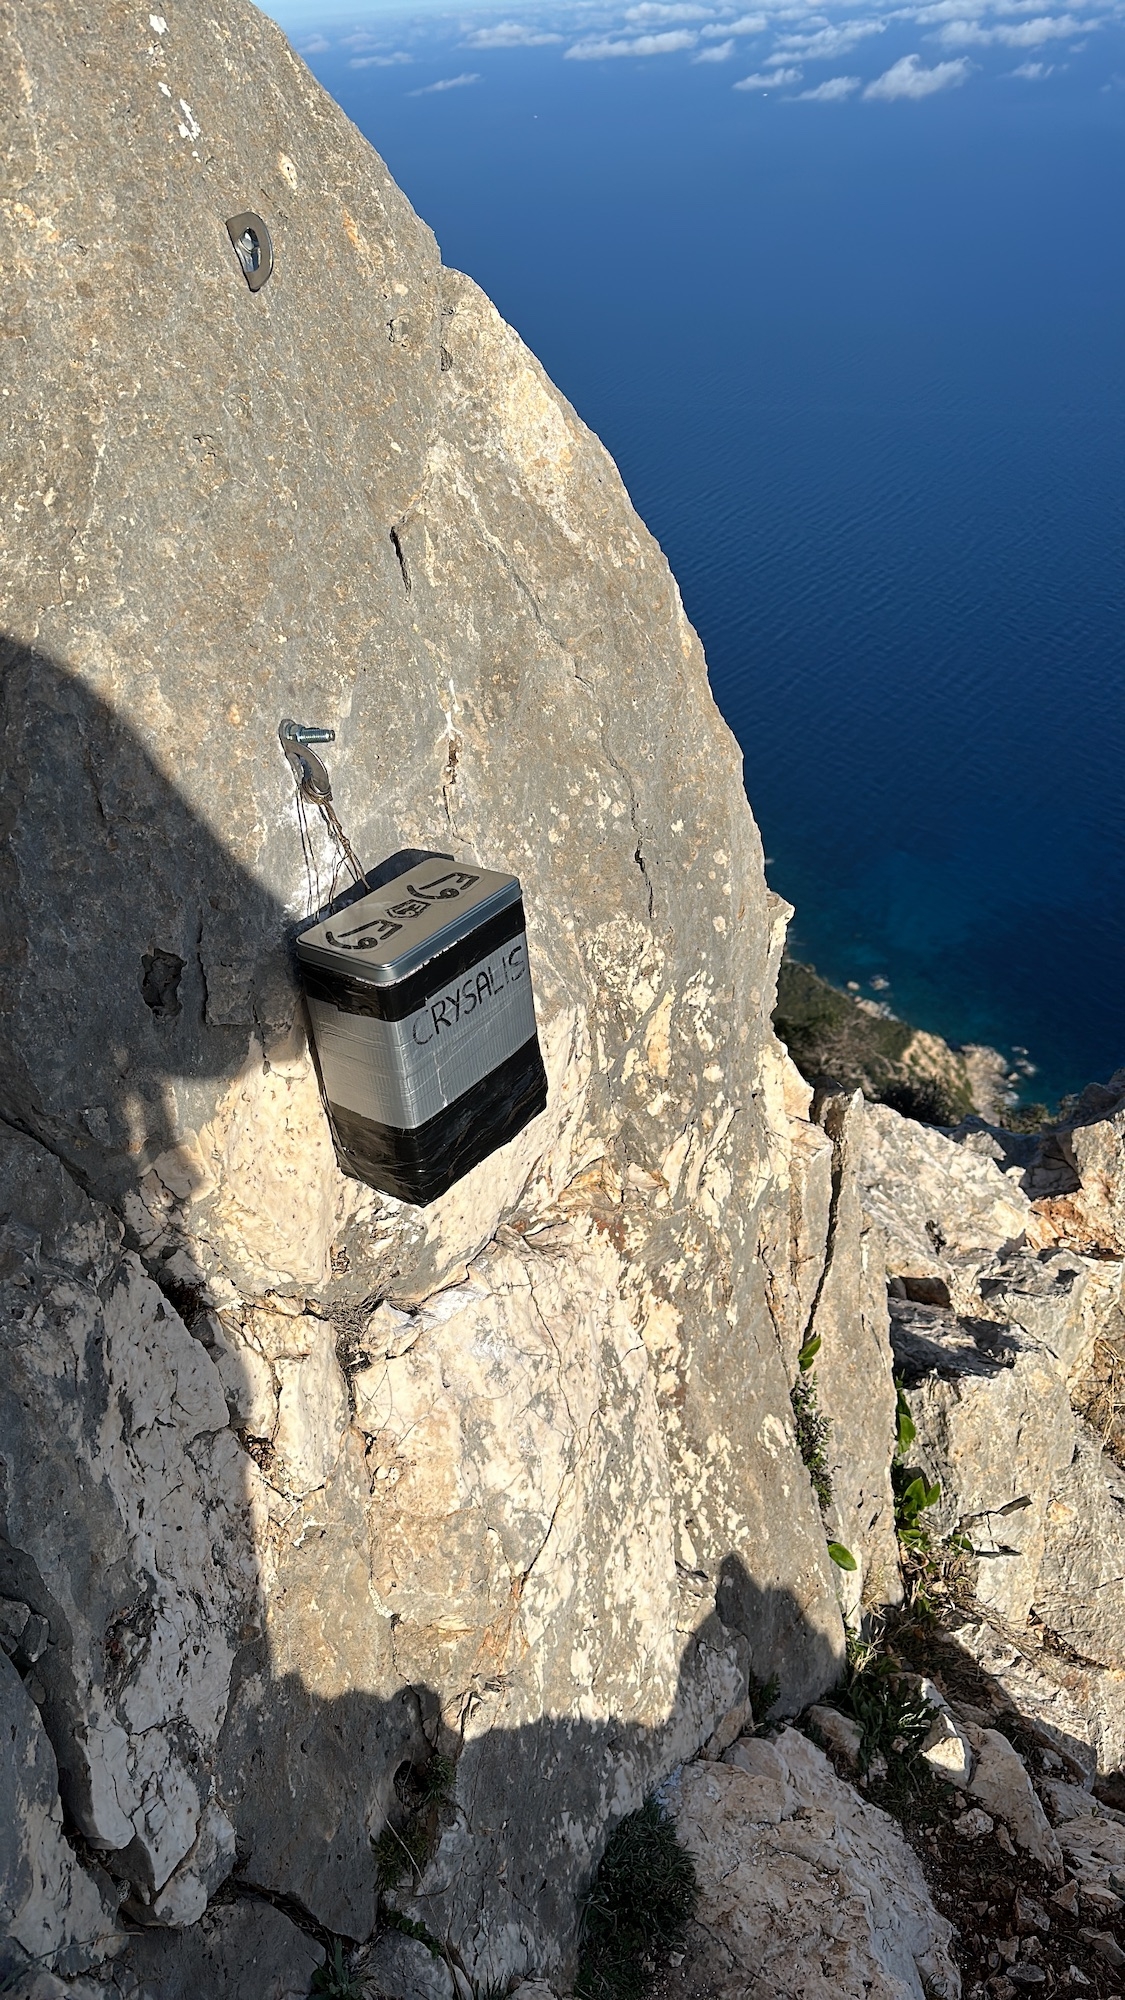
423,1021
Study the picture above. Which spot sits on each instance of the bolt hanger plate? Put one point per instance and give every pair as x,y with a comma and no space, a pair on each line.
253,246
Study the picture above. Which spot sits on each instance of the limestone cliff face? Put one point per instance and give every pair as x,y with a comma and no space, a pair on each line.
304,1484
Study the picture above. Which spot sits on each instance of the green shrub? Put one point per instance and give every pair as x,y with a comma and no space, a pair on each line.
764,1697
1029,1118
402,1855
927,1101
641,1898
828,1034
813,1431
893,1718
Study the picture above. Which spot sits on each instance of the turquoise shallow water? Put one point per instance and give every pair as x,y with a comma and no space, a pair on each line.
862,368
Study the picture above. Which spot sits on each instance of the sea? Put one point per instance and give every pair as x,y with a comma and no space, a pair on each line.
844,295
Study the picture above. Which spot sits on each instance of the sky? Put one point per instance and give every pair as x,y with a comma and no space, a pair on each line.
843,293
884,54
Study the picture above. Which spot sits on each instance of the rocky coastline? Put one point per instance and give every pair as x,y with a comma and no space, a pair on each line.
865,1046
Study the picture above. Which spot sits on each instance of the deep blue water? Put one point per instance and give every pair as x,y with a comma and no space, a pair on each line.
862,367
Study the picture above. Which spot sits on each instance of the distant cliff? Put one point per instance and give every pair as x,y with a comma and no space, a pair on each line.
865,1046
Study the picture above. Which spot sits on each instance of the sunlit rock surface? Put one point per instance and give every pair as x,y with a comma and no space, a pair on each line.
336,1530
549,1528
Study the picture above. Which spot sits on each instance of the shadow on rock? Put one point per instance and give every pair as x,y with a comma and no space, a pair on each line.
140,956
176,1750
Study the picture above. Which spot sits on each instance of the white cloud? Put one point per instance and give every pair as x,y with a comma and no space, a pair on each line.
650,12
907,78
946,10
824,44
1033,72
1012,34
832,92
445,83
380,62
508,35
315,46
770,80
746,24
718,52
974,11
644,45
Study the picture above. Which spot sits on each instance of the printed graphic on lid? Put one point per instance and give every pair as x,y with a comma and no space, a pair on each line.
381,925
404,922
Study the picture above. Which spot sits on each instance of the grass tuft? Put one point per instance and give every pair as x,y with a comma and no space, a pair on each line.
764,1697
813,1432
893,1719
402,1855
927,1100
408,1840
641,1898
434,1782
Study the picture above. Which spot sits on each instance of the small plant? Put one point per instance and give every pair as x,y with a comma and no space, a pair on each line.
394,1920
434,1782
402,1850
764,1696
927,1101
813,1432
893,1718
906,1430
931,1570
913,1492
640,1900
333,1980
399,1855
912,1498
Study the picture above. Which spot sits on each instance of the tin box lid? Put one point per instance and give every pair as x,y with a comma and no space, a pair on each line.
390,933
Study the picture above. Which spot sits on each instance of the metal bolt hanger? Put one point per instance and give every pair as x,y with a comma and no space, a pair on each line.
312,777
314,784
252,246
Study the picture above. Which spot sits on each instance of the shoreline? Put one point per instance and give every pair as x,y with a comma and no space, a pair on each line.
864,1045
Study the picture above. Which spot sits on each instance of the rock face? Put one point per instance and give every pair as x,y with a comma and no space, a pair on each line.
853,1366
967,1383
512,1480
49,1909
1005,1278
351,1551
806,1892
945,1210
239,1948
129,1532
